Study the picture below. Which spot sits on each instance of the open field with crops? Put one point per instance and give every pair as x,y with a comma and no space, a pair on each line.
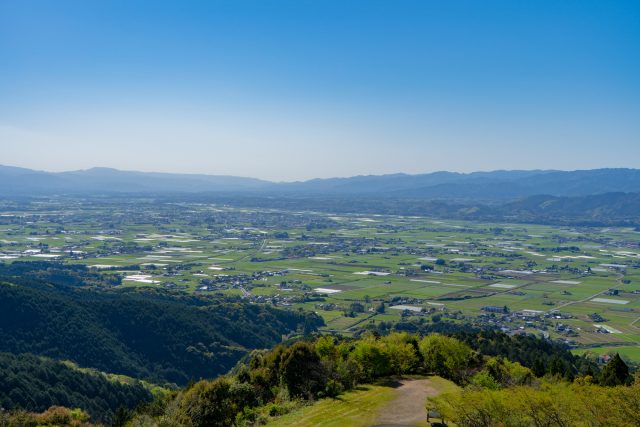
577,284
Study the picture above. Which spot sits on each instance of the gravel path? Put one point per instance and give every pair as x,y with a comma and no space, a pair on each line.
408,407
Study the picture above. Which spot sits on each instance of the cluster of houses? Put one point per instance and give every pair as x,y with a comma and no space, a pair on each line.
516,322
236,281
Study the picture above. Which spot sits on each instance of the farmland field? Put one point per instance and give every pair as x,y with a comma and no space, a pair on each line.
580,285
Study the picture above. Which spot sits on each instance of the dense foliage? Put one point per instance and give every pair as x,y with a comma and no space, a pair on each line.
56,416
548,403
55,274
506,393
145,334
268,381
542,356
307,370
35,384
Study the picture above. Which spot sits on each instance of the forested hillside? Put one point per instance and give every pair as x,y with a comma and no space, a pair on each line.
35,384
272,383
555,388
145,334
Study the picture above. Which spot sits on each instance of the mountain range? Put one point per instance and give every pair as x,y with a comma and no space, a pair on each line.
479,186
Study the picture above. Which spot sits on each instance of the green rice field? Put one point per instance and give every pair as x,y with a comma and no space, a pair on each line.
576,284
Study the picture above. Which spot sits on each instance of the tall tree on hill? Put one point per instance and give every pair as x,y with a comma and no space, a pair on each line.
302,370
538,368
616,372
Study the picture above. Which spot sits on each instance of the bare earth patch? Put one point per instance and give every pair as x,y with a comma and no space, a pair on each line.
408,406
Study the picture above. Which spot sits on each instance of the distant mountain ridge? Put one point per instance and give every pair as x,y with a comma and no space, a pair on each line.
496,185
486,186
15,181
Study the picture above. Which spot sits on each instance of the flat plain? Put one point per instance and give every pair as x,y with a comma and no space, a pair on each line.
580,285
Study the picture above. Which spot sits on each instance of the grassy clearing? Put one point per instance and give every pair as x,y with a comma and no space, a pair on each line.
358,408
442,385
352,409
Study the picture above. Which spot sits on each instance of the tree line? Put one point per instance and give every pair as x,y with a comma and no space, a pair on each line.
267,382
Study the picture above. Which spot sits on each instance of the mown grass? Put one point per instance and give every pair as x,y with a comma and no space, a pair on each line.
358,408
351,409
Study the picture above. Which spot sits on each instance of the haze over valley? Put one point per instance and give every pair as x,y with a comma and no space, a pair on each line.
367,213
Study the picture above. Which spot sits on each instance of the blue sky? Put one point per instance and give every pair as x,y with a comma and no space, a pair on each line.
289,90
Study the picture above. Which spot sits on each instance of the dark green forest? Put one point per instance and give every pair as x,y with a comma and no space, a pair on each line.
147,334
35,384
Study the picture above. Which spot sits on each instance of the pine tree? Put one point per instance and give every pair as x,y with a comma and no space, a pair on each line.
616,372
538,368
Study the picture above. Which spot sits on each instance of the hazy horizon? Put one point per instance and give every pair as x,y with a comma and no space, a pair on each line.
427,172
295,90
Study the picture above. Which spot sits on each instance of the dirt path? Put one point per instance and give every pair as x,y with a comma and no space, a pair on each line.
408,407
